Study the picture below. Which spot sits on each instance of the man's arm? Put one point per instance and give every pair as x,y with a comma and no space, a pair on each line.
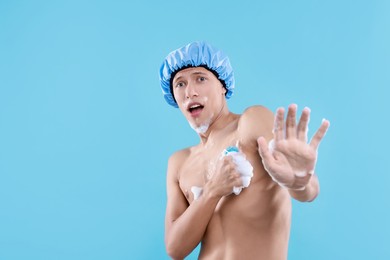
309,193
290,160
186,224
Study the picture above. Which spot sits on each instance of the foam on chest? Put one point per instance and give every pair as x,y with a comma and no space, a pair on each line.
195,172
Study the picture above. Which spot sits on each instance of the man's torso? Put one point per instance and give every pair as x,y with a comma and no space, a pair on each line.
252,225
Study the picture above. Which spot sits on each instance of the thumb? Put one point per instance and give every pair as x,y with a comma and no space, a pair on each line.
263,150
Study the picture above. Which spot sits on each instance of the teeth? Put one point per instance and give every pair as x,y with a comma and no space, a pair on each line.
194,106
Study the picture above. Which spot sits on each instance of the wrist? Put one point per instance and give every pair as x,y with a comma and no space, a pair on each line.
301,181
308,192
297,189
209,193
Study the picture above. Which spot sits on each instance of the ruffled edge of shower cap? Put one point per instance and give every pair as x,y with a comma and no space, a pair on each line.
196,54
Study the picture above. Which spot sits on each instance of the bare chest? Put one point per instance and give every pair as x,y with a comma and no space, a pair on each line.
200,165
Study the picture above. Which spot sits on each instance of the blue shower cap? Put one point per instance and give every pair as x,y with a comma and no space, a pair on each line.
196,54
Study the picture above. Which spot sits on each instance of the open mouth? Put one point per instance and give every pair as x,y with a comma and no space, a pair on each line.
195,108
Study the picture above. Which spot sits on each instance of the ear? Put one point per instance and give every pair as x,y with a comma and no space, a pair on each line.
223,90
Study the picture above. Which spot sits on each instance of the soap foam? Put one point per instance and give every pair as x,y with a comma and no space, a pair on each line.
197,191
243,166
202,128
271,145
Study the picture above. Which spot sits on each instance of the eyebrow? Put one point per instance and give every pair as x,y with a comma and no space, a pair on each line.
193,73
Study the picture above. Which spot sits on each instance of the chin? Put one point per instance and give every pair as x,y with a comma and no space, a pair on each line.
200,128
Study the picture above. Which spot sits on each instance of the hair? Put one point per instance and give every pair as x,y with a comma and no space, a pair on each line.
192,66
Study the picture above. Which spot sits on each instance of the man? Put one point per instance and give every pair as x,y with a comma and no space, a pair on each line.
254,221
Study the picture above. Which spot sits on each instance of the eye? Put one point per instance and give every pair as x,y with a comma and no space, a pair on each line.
180,84
201,78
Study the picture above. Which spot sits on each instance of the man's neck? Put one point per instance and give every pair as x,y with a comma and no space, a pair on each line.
222,120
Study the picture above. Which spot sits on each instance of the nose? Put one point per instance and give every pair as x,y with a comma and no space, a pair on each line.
191,90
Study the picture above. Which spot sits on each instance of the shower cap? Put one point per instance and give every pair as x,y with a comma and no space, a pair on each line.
196,54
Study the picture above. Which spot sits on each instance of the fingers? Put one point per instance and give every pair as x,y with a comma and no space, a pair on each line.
295,131
291,131
236,180
278,125
315,141
302,128
227,162
230,176
264,152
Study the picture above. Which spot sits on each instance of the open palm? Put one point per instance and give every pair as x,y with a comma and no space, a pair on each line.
289,159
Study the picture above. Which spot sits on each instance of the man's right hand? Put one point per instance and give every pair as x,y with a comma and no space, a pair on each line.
223,179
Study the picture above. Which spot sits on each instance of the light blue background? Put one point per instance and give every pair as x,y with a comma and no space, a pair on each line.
85,133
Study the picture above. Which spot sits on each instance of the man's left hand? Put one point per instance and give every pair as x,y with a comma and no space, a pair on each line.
289,159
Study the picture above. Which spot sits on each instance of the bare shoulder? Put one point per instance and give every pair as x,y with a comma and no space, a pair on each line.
257,111
175,162
179,155
256,121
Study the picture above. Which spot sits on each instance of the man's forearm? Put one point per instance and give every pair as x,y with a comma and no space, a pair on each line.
310,192
187,231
